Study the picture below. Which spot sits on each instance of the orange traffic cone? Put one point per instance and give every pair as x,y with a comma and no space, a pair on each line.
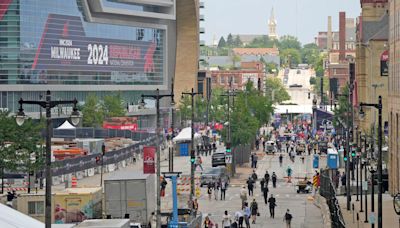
74,182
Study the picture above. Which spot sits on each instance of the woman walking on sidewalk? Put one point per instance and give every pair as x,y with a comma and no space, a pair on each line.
254,211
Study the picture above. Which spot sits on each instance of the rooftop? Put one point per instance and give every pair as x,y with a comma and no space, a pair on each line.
256,51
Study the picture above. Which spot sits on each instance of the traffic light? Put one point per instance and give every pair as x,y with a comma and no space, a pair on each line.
353,152
192,156
228,148
345,158
345,155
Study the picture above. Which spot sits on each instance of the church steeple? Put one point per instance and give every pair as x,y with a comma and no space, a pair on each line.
272,25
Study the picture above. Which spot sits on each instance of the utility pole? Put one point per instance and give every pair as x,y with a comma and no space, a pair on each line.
157,97
171,149
192,151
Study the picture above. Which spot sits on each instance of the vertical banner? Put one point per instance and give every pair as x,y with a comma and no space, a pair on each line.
149,154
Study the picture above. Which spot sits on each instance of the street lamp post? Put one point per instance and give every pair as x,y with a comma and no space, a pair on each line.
171,150
48,104
348,154
372,171
192,152
157,97
103,152
360,161
380,190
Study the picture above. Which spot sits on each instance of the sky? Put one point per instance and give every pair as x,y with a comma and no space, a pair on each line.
301,18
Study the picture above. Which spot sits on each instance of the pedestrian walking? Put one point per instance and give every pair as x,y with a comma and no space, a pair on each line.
209,191
343,179
272,205
274,178
216,190
254,176
195,206
239,218
262,184
257,143
263,144
198,163
289,174
265,194
247,214
280,160
208,223
243,195
224,186
255,160
254,211
226,220
250,186
288,218
266,177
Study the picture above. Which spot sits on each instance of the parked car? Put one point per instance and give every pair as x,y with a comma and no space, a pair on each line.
213,174
218,159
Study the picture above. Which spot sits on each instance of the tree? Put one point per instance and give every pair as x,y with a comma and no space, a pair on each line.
229,40
310,54
340,112
237,42
289,42
262,42
274,86
290,57
92,111
113,106
313,81
20,146
235,59
221,42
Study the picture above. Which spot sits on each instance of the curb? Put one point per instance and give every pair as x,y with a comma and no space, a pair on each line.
320,202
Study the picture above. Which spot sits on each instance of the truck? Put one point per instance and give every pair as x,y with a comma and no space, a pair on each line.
74,205
130,195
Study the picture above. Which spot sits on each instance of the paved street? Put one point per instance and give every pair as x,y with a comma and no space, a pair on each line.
304,212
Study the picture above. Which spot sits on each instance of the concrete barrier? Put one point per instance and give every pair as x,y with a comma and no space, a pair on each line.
320,202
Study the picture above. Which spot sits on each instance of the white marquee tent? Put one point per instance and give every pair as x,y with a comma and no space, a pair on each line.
185,135
10,218
66,125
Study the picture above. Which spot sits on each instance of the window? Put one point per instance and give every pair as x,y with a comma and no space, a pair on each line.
222,79
35,207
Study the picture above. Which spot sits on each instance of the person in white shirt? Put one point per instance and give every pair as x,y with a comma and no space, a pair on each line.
226,220
239,218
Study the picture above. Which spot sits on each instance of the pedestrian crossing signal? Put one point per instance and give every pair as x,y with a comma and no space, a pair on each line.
192,159
345,158
228,148
353,153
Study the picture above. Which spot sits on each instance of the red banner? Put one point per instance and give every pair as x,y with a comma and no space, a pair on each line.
132,127
149,154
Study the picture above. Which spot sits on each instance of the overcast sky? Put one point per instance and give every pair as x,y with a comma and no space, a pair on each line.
301,18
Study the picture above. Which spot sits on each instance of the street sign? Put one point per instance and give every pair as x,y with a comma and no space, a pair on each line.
228,159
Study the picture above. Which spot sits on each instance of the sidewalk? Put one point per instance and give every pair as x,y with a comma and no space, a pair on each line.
390,218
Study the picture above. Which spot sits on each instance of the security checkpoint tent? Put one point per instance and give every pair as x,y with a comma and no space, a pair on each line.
66,125
10,218
185,136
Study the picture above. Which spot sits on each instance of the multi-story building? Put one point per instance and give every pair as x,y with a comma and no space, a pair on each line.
74,48
250,71
371,62
394,96
343,47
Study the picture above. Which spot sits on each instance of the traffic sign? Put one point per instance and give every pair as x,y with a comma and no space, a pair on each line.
228,159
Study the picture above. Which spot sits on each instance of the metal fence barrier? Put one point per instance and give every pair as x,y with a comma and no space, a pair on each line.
327,190
242,154
89,132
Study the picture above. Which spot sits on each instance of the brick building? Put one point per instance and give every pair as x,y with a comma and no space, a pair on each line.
253,71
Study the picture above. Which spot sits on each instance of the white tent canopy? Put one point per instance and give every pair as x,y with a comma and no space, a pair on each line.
10,218
185,135
66,125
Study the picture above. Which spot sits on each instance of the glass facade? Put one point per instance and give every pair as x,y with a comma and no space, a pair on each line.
50,42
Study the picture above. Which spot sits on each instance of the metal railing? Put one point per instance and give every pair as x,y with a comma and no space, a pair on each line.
327,190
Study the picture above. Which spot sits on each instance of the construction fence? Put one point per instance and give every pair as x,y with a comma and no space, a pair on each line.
327,190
